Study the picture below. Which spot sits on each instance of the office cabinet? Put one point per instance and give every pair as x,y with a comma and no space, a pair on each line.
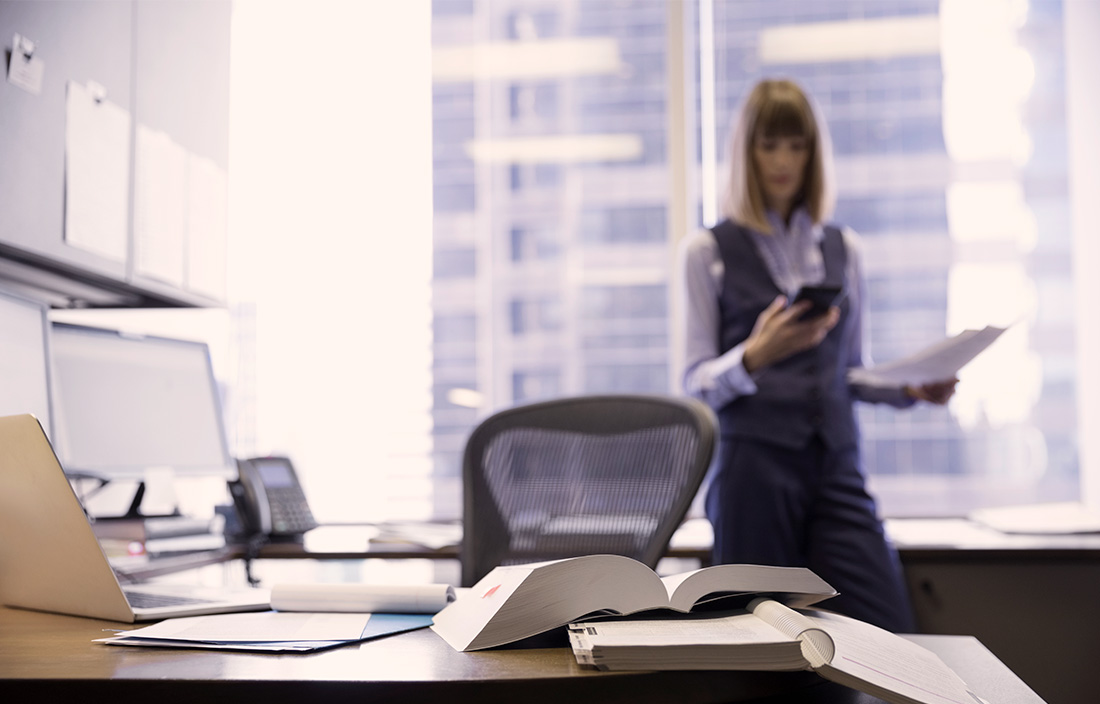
163,64
181,79
1035,609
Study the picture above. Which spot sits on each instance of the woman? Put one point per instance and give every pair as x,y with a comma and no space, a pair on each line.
788,488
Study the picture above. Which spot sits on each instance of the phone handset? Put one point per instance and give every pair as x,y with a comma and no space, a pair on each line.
270,500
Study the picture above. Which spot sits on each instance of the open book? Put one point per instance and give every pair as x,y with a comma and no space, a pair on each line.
938,362
517,601
771,636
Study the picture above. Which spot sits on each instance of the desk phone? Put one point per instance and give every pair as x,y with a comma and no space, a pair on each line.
269,498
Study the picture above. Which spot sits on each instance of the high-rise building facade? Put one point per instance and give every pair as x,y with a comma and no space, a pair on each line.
553,203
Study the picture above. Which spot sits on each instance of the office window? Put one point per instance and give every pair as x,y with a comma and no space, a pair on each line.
624,302
454,328
454,263
535,385
444,8
567,173
453,198
526,176
951,156
535,22
529,315
531,243
630,378
624,225
913,212
951,151
529,105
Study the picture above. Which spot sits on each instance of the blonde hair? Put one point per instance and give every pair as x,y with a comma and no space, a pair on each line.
777,108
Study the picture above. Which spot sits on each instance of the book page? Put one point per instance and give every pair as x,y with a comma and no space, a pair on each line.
462,621
513,602
888,666
740,628
796,586
817,645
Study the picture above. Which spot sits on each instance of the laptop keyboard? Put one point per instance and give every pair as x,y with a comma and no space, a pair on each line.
146,600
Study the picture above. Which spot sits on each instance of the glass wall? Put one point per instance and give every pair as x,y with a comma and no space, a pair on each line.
553,199
550,223
948,121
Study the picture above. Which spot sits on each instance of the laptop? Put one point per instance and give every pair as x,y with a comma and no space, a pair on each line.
50,559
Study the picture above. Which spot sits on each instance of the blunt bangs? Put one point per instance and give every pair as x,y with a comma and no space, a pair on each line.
784,115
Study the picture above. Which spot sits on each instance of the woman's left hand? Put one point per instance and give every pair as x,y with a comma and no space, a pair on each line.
937,392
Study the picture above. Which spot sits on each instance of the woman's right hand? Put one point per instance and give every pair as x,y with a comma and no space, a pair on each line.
778,333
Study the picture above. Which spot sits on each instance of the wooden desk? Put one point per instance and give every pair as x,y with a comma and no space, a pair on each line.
1015,593
48,657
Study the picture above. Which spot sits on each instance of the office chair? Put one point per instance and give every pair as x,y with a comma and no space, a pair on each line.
582,475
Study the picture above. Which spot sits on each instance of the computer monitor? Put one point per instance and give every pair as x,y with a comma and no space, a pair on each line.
129,406
24,358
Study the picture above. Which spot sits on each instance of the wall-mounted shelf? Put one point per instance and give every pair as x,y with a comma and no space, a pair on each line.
64,286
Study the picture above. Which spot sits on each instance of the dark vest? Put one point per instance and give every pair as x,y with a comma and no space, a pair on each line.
805,394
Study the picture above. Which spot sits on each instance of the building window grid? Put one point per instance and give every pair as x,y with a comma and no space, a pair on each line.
912,88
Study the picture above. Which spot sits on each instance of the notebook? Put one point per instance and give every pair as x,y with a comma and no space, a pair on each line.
50,559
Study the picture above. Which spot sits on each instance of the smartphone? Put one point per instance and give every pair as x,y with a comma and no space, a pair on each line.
822,298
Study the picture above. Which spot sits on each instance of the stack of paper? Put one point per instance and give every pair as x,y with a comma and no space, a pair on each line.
269,631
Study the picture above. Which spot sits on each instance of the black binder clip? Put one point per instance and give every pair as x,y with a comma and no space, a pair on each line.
24,46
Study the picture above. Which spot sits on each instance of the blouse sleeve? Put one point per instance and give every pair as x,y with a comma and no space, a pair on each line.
714,378
891,394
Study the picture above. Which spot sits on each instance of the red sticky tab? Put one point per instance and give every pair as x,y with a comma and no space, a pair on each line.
489,593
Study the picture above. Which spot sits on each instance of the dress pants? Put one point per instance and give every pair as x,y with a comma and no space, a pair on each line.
808,507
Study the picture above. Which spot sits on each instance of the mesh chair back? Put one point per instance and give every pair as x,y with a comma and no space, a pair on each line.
578,476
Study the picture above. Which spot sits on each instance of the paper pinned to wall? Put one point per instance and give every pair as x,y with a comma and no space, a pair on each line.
160,206
207,227
97,172
25,70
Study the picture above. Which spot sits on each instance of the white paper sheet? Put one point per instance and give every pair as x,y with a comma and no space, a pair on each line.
160,206
938,362
264,626
24,69
207,226
268,631
97,173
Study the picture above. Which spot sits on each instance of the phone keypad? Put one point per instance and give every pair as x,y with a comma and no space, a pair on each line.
289,511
